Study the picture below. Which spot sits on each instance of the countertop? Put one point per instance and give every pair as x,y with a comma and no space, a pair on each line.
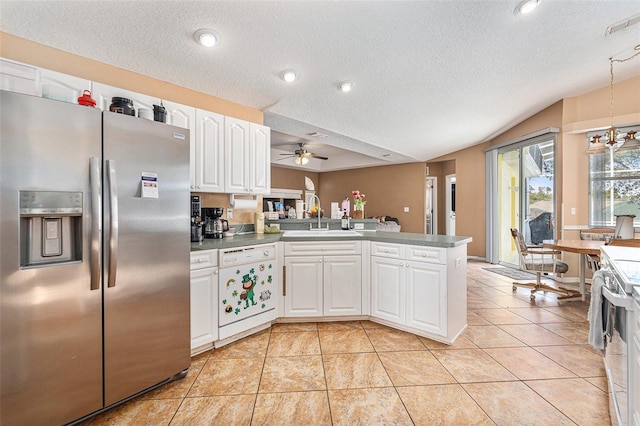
386,237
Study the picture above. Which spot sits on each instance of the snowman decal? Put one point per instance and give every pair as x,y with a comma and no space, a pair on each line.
247,295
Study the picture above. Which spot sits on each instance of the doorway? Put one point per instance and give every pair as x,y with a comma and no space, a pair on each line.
525,196
450,205
431,205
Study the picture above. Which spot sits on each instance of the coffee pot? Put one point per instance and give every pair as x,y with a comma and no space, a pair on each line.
214,227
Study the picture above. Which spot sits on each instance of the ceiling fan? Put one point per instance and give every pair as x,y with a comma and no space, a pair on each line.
302,155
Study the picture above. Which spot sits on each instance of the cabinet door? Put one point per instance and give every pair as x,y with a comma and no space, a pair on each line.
204,303
259,159
184,116
209,149
387,289
236,146
303,286
342,285
426,297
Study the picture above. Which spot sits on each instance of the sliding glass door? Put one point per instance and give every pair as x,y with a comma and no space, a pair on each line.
525,196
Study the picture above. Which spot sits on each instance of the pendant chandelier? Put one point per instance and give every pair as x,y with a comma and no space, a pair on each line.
613,138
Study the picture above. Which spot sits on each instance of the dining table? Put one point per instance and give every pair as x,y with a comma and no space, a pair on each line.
583,248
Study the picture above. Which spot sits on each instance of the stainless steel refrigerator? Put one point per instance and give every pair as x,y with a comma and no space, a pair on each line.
94,258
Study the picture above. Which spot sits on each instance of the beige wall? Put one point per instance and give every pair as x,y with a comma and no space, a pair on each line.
284,178
387,188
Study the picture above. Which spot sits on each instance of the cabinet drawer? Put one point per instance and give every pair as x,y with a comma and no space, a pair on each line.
322,248
393,251
426,254
204,259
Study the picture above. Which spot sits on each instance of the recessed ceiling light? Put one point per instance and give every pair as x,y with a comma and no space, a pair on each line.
526,6
206,38
289,76
345,86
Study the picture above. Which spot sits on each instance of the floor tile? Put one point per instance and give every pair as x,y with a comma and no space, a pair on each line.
249,347
394,340
528,364
287,327
576,358
507,302
537,315
345,341
339,325
534,335
178,388
490,336
568,312
578,399
291,408
295,343
442,405
139,412
228,377
472,365
292,373
369,325
375,406
501,316
514,403
460,343
215,410
414,368
348,371
475,319
575,332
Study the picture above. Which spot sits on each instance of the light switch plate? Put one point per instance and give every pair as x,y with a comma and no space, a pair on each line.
229,213
358,226
406,209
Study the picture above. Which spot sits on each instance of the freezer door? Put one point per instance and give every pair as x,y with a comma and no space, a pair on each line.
50,317
146,257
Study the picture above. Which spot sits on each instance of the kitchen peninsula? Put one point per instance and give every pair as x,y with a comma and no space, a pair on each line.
411,282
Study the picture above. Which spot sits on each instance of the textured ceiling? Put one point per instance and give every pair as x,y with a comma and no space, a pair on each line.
430,77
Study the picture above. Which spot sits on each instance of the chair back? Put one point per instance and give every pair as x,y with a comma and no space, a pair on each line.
520,243
598,234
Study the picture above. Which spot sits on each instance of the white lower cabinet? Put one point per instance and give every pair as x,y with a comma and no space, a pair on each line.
322,282
414,293
303,286
204,300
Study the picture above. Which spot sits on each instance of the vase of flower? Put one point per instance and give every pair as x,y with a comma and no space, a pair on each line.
358,204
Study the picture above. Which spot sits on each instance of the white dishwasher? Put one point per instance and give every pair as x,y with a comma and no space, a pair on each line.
248,276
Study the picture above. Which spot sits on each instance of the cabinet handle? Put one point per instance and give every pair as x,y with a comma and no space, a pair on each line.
200,260
215,272
424,254
284,281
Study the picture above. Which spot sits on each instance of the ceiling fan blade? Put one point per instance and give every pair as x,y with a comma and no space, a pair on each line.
285,158
319,157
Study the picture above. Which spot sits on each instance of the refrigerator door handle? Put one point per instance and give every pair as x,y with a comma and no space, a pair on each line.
96,221
113,214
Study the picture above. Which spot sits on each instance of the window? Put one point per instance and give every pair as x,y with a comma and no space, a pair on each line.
614,186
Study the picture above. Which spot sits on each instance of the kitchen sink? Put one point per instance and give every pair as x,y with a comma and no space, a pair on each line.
321,233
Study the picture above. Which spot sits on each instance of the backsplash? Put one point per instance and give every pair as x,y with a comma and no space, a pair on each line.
222,200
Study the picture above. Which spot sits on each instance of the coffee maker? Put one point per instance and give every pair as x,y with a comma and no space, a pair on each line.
214,227
197,224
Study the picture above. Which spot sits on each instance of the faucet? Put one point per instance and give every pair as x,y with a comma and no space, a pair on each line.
319,210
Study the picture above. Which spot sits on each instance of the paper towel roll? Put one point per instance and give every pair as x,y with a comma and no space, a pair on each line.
240,204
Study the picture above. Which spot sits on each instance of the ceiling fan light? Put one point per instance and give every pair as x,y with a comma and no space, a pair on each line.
298,160
304,160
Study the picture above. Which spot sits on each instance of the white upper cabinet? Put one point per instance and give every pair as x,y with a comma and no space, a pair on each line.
236,147
207,161
248,158
259,159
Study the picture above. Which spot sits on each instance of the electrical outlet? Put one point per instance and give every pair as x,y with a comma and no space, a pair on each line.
573,211
229,213
458,262
358,226
406,209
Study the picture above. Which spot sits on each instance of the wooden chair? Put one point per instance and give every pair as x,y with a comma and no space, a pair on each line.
597,234
537,259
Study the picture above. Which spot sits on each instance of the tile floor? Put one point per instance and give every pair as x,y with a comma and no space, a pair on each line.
516,364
